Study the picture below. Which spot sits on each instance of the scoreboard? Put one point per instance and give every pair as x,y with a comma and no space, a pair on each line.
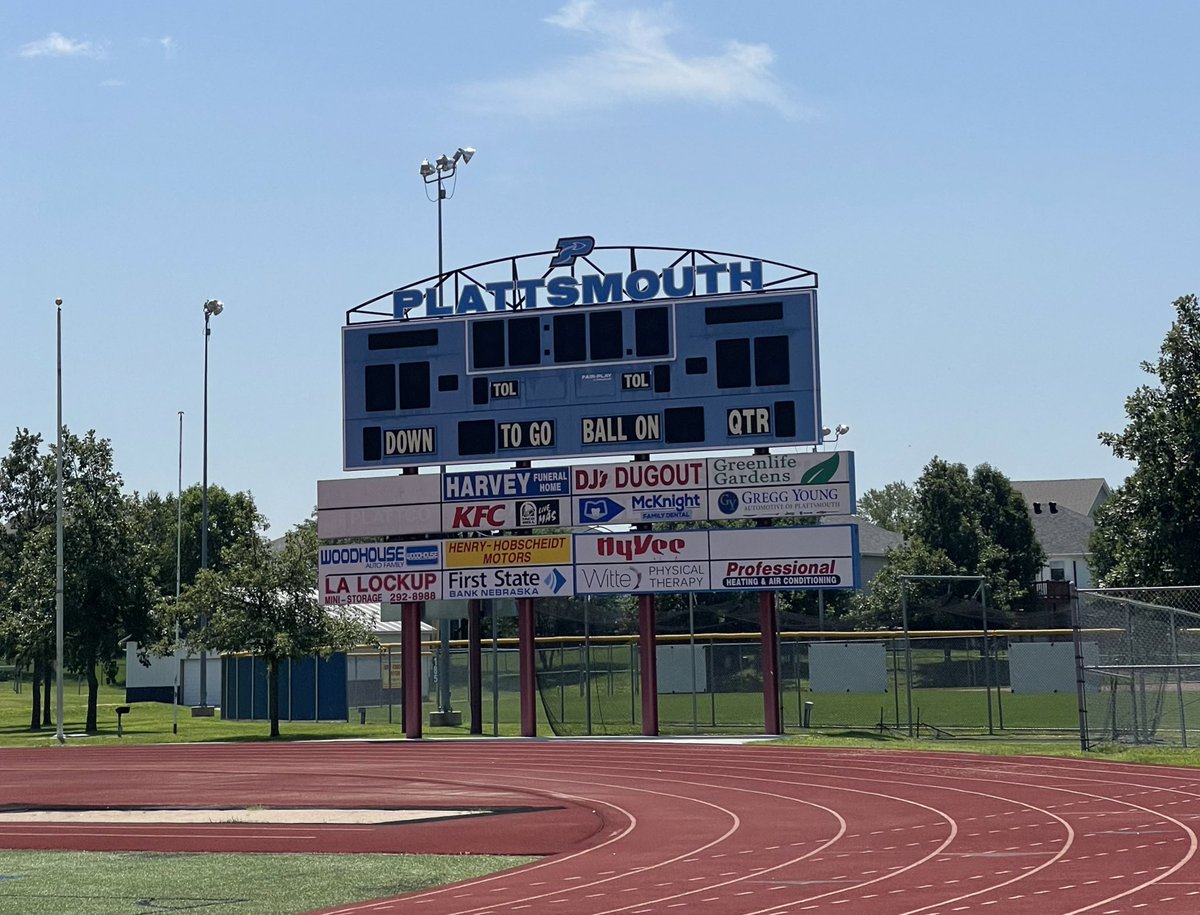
733,371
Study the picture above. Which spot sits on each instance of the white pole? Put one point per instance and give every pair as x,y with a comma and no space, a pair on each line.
58,537
178,565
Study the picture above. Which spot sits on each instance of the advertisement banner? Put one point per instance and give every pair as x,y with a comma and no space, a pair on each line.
636,492
548,550
639,508
526,581
484,486
511,514
775,558
371,573
641,562
639,476
779,502
379,506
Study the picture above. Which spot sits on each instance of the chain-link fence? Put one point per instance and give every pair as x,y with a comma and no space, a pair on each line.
959,669
1140,665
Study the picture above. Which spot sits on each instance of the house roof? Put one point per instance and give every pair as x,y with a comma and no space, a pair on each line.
1083,496
873,540
1063,532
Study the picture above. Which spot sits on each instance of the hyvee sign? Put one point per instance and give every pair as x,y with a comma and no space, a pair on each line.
636,562
716,489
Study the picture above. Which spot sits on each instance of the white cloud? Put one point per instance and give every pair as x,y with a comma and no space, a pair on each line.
56,45
632,60
112,83
168,46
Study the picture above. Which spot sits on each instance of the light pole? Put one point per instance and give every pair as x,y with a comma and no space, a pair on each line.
58,546
837,432
211,307
178,575
443,168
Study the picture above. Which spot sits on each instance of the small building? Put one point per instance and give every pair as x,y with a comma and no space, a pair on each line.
1062,512
312,688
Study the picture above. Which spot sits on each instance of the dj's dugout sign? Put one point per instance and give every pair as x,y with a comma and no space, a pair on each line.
821,557
640,492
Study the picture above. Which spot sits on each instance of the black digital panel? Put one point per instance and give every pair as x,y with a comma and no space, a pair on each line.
380,382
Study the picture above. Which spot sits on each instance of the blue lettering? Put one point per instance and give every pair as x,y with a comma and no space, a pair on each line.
752,277
687,287
562,290
432,308
605,288
709,272
470,301
528,289
642,285
499,290
405,299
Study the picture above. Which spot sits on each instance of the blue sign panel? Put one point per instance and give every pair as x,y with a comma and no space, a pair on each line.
485,486
735,371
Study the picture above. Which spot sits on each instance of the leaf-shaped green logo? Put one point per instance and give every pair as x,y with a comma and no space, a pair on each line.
821,473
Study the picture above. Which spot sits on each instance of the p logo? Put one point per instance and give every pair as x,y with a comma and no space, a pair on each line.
570,248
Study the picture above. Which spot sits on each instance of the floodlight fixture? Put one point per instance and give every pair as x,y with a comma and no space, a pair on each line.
842,429
213,307
440,172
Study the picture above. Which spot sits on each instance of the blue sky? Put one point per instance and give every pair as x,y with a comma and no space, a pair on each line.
1001,201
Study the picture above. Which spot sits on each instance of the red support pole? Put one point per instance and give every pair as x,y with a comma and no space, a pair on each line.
648,648
475,664
767,622
527,652
410,647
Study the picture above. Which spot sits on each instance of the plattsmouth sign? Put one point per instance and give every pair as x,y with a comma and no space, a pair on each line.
818,557
639,492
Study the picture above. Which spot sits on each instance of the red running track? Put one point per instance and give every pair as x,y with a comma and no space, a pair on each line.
649,827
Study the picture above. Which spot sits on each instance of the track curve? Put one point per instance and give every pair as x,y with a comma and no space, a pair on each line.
646,827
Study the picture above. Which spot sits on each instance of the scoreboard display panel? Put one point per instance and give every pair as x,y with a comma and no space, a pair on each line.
660,376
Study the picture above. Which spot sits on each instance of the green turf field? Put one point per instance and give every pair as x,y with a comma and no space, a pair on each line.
89,883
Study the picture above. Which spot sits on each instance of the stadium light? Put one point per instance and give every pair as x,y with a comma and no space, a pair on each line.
446,168
211,307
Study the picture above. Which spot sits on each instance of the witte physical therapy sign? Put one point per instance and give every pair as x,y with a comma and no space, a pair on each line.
819,557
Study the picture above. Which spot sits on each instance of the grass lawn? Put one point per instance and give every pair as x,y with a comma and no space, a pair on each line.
89,883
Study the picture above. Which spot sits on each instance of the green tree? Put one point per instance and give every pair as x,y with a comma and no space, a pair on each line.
27,513
882,607
892,507
1148,533
962,523
265,602
105,595
233,518
110,595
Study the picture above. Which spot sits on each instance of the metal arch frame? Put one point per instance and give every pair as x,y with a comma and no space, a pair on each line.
794,277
